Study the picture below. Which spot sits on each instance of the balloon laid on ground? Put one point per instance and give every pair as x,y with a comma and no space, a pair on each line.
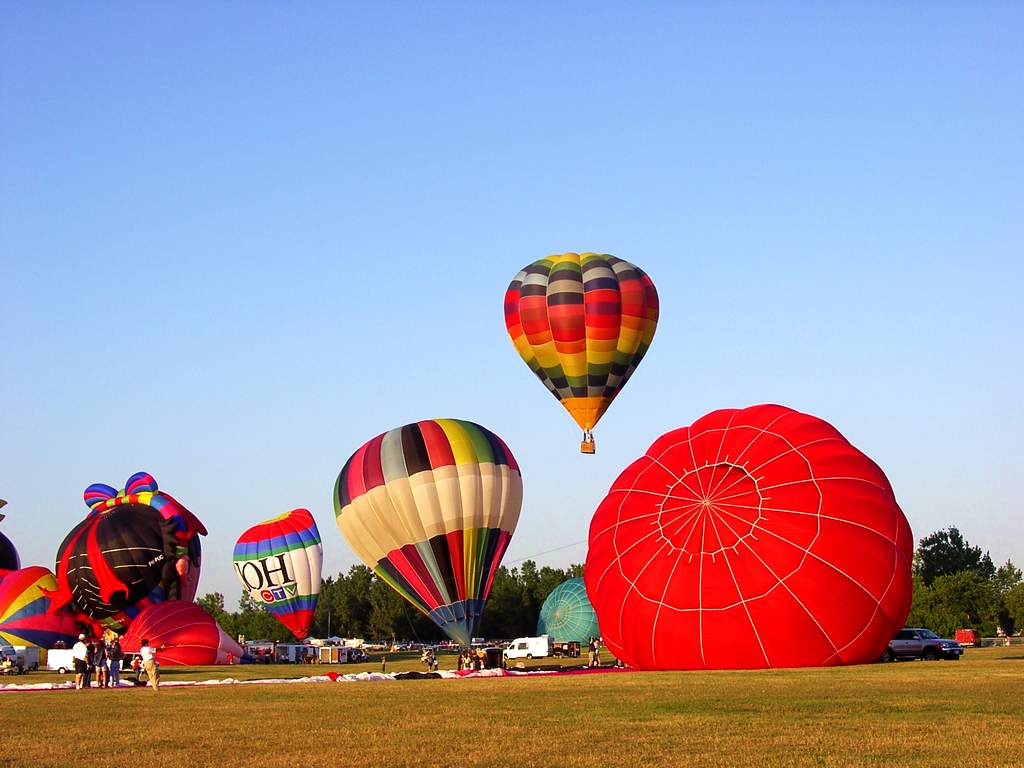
430,507
754,538
567,614
9,560
278,563
137,547
192,636
582,322
25,617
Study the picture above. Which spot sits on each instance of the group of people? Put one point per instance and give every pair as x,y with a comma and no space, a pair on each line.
97,657
472,661
429,658
594,647
103,656
9,664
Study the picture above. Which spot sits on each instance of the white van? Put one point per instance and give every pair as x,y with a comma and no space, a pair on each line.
530,648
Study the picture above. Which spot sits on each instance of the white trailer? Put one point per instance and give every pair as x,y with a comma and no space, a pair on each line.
29,655
530,648
60,659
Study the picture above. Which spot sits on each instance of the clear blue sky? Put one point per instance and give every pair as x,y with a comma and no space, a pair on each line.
237,240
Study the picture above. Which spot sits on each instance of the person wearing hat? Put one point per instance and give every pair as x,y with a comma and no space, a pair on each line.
80,653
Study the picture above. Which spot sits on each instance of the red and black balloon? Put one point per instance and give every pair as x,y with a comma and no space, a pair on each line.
137,547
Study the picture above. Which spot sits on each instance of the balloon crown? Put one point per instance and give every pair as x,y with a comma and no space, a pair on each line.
101,495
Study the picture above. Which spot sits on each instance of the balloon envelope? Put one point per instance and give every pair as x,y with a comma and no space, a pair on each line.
9,560
192,636
754,538
278,563
137,547
25,617
430,507
567,614
582,323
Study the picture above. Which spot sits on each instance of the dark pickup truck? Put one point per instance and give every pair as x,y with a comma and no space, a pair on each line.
916,643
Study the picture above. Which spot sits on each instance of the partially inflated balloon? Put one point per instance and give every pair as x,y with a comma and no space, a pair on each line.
278,563
136,547
754,538
190,636
582,322
567,614
25,617
431,507
9,560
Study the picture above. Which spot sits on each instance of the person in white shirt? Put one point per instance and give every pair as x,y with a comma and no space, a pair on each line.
148,654
80,654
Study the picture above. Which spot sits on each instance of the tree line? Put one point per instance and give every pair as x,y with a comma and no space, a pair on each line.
359,604
955,585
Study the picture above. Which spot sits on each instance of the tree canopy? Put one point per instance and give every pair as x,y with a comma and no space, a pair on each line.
956,585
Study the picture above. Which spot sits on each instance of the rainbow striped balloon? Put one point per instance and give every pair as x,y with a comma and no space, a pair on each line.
25,617
431,507
582,322
278,563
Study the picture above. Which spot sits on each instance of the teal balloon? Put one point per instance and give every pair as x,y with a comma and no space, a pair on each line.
567,614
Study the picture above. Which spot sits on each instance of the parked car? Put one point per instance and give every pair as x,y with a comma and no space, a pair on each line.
918,643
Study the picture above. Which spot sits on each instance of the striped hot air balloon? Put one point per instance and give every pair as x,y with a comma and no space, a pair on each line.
582,322
278,563
430,507
25,617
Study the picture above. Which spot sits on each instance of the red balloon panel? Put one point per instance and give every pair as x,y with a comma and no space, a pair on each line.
754,538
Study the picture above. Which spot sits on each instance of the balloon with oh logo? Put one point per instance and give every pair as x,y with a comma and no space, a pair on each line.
278,563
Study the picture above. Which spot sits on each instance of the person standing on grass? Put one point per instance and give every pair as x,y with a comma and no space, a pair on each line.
114,656
99,662
90,649
80,654
148,654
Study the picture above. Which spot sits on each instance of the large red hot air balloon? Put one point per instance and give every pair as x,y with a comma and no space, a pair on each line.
190,636
754,538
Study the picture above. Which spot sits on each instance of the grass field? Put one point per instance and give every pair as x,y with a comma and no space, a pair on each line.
907,714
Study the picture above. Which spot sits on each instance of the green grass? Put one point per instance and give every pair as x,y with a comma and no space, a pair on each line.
907,714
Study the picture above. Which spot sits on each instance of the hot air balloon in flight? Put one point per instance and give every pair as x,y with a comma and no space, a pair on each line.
755,538
278,563
567,614
25,617
430,507
136,547
582,322
9,560
183,633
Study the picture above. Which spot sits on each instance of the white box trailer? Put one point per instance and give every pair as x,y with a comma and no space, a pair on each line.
294,653
530,648
60,659
29,655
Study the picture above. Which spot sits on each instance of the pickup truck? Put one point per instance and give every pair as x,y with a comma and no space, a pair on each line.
917,643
